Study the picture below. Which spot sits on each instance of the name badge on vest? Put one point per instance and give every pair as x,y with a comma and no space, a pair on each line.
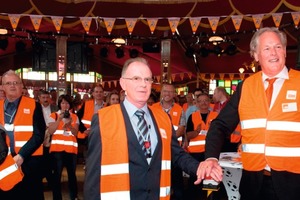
9,127
203,132
289,107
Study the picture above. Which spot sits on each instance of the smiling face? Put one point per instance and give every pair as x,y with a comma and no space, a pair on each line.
137,91
270,53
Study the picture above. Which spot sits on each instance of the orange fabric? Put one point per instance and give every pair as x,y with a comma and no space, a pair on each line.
87,116
61,142
269,90
185,106
197,119
10,174
175,112
24,117
253,105
114,141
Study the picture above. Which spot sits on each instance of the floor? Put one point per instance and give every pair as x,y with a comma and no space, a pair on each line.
80,179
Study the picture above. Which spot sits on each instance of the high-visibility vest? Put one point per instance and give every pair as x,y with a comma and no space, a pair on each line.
115,166
23,123
87,116
270,136
10,173
64,140
197,144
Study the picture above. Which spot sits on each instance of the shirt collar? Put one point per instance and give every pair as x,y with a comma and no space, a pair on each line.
131,109
283,74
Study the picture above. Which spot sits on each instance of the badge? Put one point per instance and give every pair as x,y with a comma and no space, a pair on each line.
9,127
289,107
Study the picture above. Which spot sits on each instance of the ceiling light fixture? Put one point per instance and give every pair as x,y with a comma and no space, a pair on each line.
215,39
3,31
118,41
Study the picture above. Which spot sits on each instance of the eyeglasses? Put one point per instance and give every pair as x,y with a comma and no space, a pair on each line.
12,83
137,79
200,101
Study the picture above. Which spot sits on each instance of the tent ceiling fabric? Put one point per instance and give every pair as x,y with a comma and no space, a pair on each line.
72,10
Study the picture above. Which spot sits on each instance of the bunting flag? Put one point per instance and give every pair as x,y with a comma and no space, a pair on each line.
36,21
173,22
242,76
57,22
86,23
213,21
109,23
296,18
212,76
14,20
181,75
195,21
277,18
115,83
257,20
231,76
173,76
237,21
221,76
202,76
130,22
158,78
109,84
152,22
190,75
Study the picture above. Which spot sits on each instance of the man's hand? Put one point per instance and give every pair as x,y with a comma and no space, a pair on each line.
18,159
209,168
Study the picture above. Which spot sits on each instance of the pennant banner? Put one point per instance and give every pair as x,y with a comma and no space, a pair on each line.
152,22
214,21
195,21
109,23
115,83
190,75
181,76
173,22
237,21
57,21
277,18
231,76
257,20
173,76
296,18
14,20
222,76
36,21
86,23
130,22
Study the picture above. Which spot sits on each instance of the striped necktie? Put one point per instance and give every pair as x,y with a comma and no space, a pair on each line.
143,136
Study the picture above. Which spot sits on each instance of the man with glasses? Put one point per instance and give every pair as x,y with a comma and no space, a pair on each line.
131,145
23,120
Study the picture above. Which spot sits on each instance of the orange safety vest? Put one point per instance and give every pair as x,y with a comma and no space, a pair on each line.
64,140
10,174
270,137
115,180
197,144
87,116
23,123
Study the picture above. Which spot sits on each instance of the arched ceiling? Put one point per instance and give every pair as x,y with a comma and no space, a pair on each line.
98,37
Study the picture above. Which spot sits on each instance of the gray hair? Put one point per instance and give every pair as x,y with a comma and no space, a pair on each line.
255,39
132,60
10,73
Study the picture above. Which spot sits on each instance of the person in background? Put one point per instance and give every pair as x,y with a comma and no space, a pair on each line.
196,129
53,95
25,92
122,95
151,100
189,101
145,137
23,120
48,162
266,105
2,93
77,102
85,97
220,98
193,108
63,127
112,98
88,109
177,116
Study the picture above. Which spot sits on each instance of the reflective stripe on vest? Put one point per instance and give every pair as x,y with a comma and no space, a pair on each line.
253,148
197,143
253,123
23,128
115,195
114,169
88,122
283,151
283,126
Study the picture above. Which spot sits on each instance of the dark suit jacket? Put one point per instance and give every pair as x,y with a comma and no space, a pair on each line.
144,178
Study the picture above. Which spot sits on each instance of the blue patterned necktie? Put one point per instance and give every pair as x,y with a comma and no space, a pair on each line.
143,136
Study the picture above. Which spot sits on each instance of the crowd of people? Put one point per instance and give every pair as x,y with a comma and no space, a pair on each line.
138,144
